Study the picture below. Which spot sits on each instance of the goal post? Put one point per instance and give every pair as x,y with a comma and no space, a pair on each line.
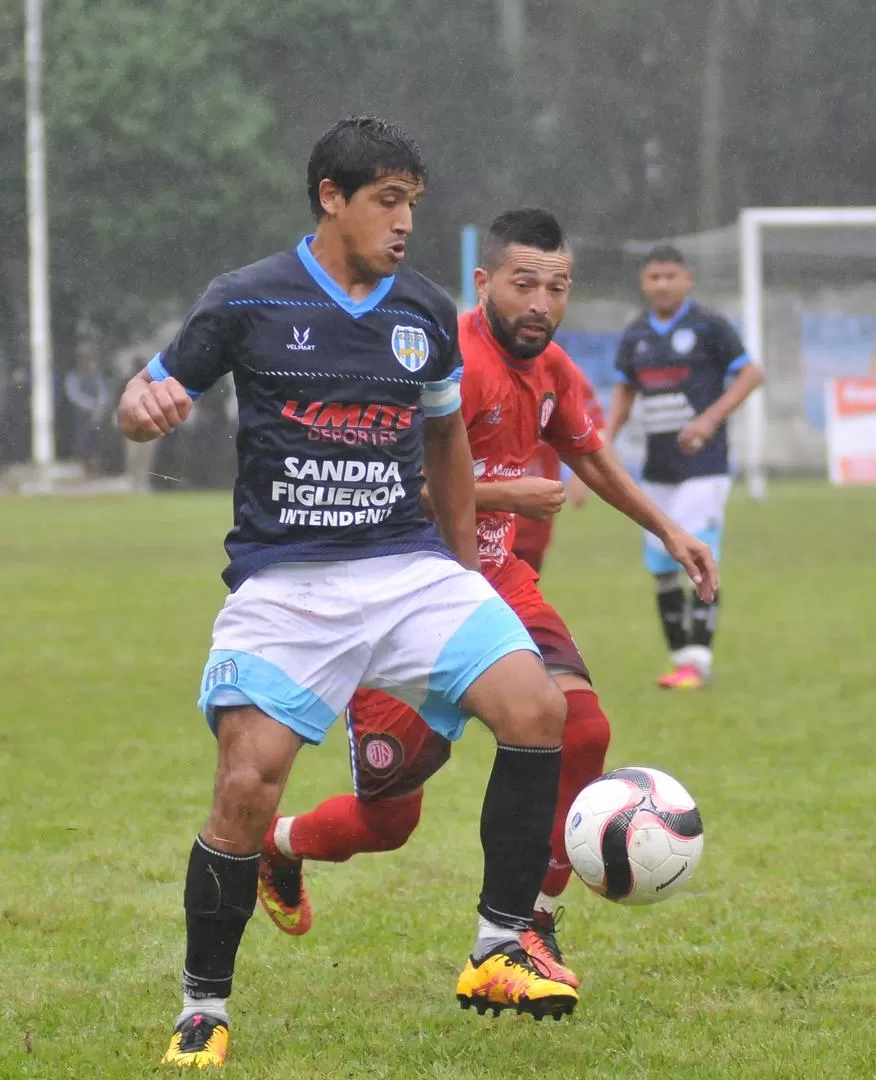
752,223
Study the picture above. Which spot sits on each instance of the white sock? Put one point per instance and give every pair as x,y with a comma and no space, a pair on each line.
490,937
283,837
215,1007
548,904
681,657
700,657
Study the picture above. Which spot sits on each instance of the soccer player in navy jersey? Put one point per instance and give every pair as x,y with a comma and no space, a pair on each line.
346,368
678,356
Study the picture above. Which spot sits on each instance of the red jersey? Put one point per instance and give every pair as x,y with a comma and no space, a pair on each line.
511,405
531,538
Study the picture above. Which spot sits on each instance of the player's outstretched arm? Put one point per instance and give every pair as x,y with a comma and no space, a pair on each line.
604,474
451,484
149,409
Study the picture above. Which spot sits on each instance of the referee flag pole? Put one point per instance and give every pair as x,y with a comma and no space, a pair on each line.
42,405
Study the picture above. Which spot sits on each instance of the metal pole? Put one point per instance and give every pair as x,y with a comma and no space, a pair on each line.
751,287
468,263
42,404
712,123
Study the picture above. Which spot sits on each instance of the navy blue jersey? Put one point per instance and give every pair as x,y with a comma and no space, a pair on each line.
332,394
679,367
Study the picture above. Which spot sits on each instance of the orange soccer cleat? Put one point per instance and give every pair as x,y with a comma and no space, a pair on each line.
541,944
283,894
683,677
513,980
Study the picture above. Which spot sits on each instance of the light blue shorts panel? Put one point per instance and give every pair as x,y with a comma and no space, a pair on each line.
297,639
237,678
697,505
489,633
659,562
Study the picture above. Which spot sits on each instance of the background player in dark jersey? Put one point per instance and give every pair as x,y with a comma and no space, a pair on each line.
677,356
346,369
518,388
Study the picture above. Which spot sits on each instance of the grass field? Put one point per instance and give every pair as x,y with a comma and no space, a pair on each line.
764,968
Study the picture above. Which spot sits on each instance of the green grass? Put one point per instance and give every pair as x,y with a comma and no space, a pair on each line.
763,968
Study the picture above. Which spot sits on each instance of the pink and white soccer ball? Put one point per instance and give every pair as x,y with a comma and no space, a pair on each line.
634,836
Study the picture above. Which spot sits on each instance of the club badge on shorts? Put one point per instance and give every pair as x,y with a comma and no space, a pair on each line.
221,674
411,346
381,754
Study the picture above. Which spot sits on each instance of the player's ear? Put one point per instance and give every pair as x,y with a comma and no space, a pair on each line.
481,281
331,198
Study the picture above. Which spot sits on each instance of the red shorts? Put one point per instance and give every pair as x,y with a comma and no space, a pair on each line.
531,541
393,751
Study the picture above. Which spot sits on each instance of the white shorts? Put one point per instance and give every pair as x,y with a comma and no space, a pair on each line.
297,639
697,505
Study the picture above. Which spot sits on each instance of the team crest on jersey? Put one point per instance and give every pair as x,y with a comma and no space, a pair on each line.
411,346
546,410
683,340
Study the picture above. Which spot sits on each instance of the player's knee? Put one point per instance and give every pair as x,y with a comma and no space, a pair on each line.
392,821
247,794
539,719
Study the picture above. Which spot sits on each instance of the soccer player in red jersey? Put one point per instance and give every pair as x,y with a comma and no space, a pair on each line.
518,389
532,537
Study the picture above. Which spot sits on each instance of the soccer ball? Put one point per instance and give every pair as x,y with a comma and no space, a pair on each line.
634,836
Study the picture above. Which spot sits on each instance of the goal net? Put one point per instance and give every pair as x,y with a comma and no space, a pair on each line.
800,284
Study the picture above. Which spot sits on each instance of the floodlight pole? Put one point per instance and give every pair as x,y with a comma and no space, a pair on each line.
42,404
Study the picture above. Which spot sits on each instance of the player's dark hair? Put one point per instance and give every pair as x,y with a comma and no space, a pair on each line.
664,253
530,227
357,151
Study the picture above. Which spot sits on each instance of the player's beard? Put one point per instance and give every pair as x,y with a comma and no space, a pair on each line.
505,332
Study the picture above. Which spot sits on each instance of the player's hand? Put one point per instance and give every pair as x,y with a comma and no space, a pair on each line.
538,498
693,437
697,560
577,492
148,410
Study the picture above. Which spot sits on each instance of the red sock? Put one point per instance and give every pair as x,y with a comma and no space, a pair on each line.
344,826
585,742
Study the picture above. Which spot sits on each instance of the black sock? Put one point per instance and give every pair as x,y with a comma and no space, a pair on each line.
704,618
220,897
671,604
516,822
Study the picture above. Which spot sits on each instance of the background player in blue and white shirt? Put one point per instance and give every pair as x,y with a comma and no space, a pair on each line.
346,370
678,356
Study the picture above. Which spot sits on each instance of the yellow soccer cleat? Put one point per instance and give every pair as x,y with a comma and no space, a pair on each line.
198,1042
283,894
541,944
513,980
